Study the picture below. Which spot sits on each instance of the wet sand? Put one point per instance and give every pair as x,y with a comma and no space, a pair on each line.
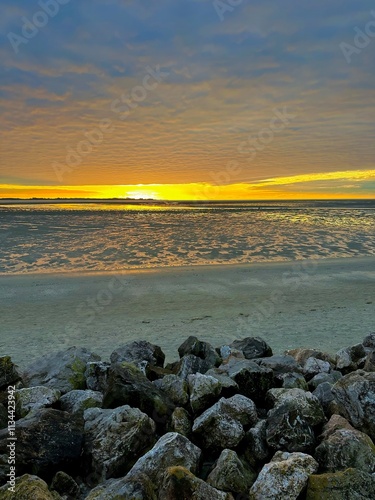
326,304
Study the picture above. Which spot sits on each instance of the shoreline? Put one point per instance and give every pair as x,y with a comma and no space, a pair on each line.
325,302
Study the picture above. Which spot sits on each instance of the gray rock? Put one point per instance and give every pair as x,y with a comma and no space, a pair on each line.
204,391
8,372
369,365
351,358
325,396
313,366
115,439
178,482
222,425
301,355
369,341
139,488
256,447
280,364
128,385
28,487
355,398
96,375
45,438
65,485
350,484
201,349
284,478
319,378
180,422
190,364
78,401
64,370
175,388
34,398
293,381
228,386
226,352
252,347
231,474
139,352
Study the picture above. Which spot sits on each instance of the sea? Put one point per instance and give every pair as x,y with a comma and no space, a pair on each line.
85,237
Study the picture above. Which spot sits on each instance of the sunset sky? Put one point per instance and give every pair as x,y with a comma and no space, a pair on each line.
188,99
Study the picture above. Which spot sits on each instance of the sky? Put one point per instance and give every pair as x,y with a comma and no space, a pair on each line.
187,99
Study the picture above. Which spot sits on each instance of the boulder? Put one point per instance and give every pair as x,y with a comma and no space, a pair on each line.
228,386
128,385
351,358
204,391
175,388
96,375
78,401
350,484
180,422
231,474
28,487
252,347
344,447
301,355
8,372
34,398
280,364
115,439
284,478
226,352
256,450
178,482
313,366
63,371
65,485
355,400
141,353
293,380
369,365
325,396
47,439
222,425
190,364
369,342
322,377
201,349
138,488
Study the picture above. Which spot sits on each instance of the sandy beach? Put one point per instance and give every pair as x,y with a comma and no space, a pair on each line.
327,304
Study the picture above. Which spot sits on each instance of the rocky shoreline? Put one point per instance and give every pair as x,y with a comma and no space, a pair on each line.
235,422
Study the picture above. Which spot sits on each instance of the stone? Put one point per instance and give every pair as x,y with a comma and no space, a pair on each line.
34,398
222,425
178,482
253,380
175,388
46,438
369,365
320,378
96,375
351,358
78,401
284,478
28,487
252,347
256,450
226,352
63,371
201,349
313,366
9,374
204,391
301,355
138,488
350,484
115,439
65,485
325,396
228,386
180,422
344,447
190,364
128,385
231,474
355,400
280,364
293,381
369,341
140,352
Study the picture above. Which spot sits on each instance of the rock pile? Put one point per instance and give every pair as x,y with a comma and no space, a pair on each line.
231,423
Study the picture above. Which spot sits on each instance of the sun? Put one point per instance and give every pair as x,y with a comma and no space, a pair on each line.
141,194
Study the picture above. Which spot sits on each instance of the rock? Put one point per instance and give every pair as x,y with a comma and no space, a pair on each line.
301,355
280,364
28,488
293,381
253,380
350,484
140,352
344,447
96,375
228,386
175,388
190,364
178,482
320,378
284,478
231,474
325,396
78,401
369,341
369,365
115,439
355,398
290,423
204,391
8,372
171,450
202,350
252,347
46,439
313,366
222,425
255,444
351,358
226,351
3,416
128,385
34,398
180,422
139,488
65,485
63,371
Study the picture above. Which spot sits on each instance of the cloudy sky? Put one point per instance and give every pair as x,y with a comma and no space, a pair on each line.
187,98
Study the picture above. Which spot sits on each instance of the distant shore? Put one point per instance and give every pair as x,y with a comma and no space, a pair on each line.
325,303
